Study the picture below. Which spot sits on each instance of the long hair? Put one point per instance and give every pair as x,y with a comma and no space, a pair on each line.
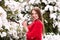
37,9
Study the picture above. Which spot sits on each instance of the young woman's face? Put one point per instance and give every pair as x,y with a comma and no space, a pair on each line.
34,15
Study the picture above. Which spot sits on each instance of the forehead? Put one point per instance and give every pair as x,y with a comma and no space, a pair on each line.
33,11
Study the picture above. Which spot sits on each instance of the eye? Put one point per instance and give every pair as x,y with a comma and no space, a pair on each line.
31,13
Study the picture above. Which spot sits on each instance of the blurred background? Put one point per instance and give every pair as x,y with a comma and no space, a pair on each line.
14,12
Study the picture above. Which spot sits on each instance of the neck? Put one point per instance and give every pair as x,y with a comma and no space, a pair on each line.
34,19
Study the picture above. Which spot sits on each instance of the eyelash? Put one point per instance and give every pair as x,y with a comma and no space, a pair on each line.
32,13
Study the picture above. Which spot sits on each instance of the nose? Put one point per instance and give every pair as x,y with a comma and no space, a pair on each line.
33,15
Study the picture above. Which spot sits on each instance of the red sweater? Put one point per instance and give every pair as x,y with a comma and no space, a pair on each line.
35,30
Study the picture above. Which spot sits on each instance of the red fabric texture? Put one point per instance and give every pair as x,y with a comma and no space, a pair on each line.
35,30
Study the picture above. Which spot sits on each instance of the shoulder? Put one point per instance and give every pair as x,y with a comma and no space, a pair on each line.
38,22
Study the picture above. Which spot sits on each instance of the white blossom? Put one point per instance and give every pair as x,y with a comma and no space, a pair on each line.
46,8
31,7
26,16
27,8
23,4
6,2
21,0
0,22
15,34
0,0
14,25
3,34
44,1
37,1
55,8
42,11
55,23
59,9
58,17
31,1
20,23
51,1
53,15
49,7
52,36
12,5
58,3
20,16
3,18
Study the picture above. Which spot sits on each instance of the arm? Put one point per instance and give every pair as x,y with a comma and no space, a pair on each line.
36,31
43,25
25,25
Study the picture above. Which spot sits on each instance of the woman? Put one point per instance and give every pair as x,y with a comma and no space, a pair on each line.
34,30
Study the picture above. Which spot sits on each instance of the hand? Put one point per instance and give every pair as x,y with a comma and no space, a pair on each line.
0,14
44,35
24,23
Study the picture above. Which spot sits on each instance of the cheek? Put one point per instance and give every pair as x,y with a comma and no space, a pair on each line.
36,15
33,16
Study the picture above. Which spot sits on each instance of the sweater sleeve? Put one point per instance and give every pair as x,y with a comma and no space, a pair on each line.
36,30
